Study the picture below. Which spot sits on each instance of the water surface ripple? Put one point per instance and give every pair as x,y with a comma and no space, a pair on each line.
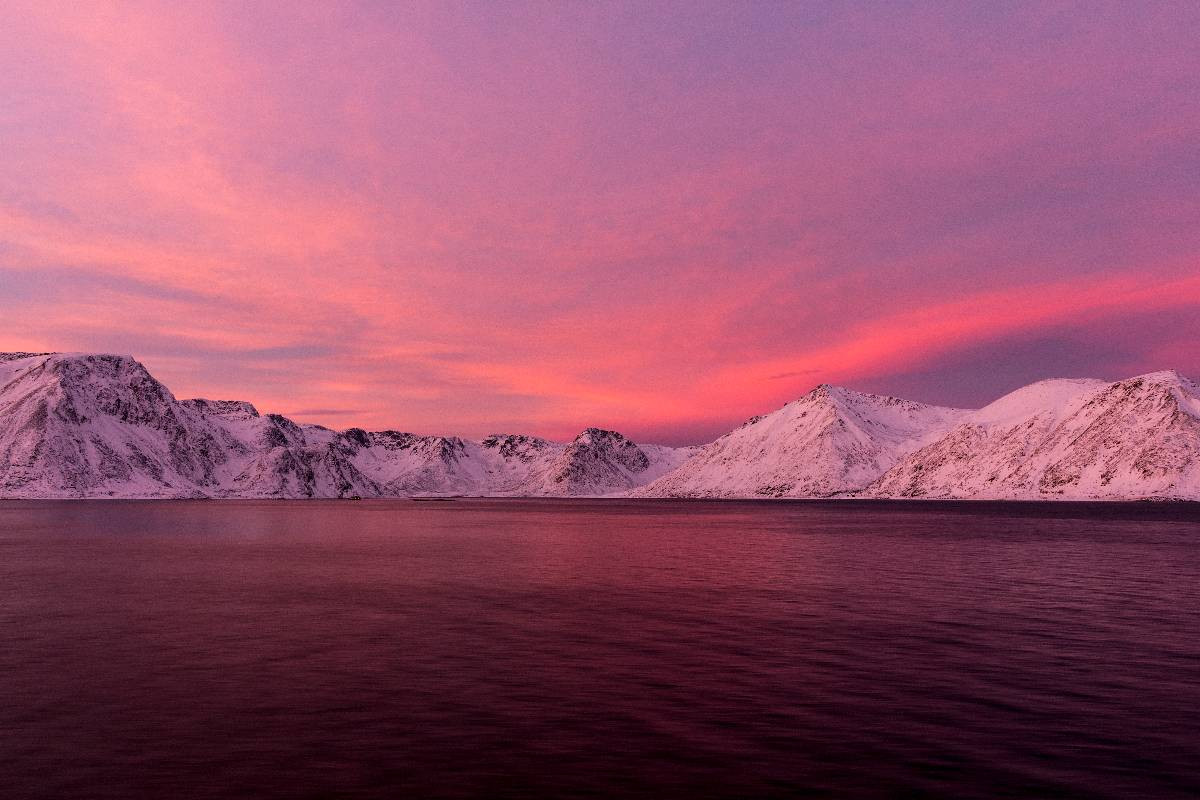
509,648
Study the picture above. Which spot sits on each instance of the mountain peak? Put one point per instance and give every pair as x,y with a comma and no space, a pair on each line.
830,441
1051,397
230,408
88,425
823,390
1167,377
599,436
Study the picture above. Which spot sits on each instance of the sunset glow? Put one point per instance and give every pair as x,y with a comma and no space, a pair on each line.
660,218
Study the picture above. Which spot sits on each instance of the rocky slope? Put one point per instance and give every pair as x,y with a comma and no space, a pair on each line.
1065,439
1069,439
74,425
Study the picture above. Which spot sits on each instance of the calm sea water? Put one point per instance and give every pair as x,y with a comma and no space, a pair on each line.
597,648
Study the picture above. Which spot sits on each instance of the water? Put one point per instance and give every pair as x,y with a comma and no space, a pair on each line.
598,648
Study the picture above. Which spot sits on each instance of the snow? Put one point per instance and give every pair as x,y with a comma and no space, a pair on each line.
1078,439
828,442
1057,397
84,425
78,425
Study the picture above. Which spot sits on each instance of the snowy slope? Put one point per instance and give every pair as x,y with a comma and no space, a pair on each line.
79,425
828,442
597,462
1065,439
601,462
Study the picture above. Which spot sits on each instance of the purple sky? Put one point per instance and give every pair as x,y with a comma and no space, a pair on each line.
657,217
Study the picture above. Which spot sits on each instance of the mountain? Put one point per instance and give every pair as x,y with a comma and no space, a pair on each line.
829,442
596,462
79,425
1057,439
70,424
1065,439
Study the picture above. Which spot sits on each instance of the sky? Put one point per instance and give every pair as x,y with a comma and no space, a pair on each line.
656,217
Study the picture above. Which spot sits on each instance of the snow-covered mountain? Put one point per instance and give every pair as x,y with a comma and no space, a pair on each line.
1057,439
1069,439
829,442
76,425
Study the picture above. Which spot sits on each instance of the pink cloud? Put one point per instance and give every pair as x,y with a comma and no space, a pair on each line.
541,220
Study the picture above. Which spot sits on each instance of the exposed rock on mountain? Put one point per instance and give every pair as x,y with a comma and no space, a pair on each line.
101,426
1065,439
73,426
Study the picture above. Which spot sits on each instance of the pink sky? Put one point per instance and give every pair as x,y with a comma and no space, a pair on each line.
656,217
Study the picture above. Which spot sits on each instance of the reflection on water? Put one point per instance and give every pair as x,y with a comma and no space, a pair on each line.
590,648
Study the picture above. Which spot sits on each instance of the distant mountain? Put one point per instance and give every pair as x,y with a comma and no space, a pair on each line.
1068,439
73,425
829,442
78,425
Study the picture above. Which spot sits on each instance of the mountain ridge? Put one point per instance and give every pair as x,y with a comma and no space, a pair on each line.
99,425
1134,438
75,425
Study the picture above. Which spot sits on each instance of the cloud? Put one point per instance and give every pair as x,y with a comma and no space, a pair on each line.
301,413
545,219
796,373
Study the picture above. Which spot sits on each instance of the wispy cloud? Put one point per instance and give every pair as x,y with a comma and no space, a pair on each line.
407,216
796,373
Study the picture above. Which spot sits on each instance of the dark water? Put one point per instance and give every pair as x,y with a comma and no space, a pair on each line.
598,648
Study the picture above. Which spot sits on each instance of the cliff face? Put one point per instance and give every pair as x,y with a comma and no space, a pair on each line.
74,426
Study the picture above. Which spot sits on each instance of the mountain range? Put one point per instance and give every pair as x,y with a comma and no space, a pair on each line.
88,425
